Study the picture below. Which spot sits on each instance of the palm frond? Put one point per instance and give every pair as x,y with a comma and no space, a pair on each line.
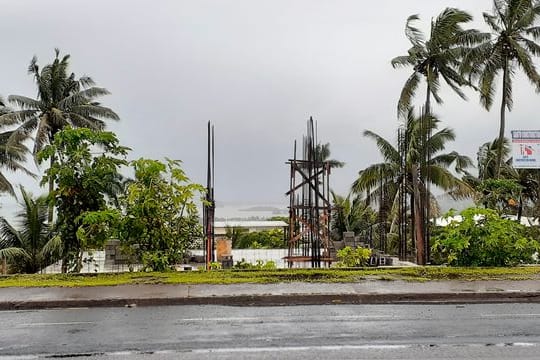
388,151
415,35
12,253
407,93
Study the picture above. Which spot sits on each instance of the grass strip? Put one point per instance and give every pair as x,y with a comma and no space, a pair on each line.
273,276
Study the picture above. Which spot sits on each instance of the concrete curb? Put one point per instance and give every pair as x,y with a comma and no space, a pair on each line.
284,299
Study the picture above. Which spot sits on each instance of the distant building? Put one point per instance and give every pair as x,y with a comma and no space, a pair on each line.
444,221
220,227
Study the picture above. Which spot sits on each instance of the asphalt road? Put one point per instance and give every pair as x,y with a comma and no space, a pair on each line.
291,332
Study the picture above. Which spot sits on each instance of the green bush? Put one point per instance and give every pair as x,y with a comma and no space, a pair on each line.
349,257
483,238
266,239
259,265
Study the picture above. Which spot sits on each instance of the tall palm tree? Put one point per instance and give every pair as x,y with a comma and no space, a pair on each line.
510,47
62,100
31,247
436,58
386,176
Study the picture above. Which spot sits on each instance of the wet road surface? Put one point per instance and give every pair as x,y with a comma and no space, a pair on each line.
484,331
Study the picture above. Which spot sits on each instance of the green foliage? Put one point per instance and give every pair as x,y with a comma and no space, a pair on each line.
436,58
81,181
483,238
349,257
421,136
62,100
350,215
279,218
12,157
509,46
31,246
234,233
266,239
259,265
499,194
160,221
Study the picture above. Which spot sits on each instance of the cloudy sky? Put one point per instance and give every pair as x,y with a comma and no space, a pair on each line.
256,69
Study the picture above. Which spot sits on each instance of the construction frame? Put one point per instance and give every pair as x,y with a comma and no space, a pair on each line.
309,242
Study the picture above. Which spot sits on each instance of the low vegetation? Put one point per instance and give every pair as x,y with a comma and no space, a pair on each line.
273,276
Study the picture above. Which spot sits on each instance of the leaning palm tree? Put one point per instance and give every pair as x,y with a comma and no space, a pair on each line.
31,247
437,58
511,47
406,168
62,100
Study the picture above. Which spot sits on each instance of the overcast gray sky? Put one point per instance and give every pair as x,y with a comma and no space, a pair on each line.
257,69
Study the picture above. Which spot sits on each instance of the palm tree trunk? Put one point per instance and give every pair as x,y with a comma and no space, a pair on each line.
51,189
520,209
427,176
427,105
503,121
418,223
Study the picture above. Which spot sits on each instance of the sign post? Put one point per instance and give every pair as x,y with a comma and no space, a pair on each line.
526,149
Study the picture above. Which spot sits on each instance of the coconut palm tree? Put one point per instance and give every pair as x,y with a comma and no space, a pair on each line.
31,247
12,157
386,176
62,100
350,215
510,48
322,154
436,58
12,153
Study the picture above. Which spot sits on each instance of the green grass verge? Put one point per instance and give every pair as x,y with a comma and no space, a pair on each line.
273,276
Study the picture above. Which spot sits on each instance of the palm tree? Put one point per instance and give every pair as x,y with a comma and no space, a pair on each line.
62,100
322,154
350,215
386,176
436,58
510,48
12,153
12,157
32,247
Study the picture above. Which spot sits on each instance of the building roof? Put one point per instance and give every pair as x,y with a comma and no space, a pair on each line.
250,224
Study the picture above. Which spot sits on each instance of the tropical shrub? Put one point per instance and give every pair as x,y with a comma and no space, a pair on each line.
81,182
160,220
259,265
349,257
482,238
